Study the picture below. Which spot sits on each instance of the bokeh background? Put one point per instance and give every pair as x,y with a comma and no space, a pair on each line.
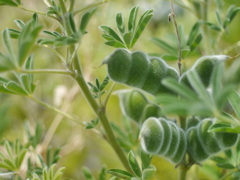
82,147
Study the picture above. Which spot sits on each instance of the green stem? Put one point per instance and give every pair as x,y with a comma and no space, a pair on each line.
182,173
90,6
47,71
56,53
71,7
173,18
37,12
56,110
99,111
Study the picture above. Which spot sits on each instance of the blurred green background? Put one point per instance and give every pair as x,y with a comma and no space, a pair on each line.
82,147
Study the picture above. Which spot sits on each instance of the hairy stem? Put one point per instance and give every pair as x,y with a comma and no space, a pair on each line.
173,19
99,111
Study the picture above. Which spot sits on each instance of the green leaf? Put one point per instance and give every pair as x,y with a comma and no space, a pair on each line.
216,78
219,19
27,40
234,100
231,14
15,88
5,63
87,173
9,149
109,31
145,18
115,44
19,23
196,42
102,175
127,39
185,51
145,159
21,158
148,173
223,127
14,33
53,34
120,23
226,165
120,173
71,22
218,159
165,46
10,164
8,45
198,86
212,26
193,33
132,19
8,2
181,89
84,21
134,164
5,166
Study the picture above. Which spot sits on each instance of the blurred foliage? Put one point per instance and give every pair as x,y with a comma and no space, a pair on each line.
81,147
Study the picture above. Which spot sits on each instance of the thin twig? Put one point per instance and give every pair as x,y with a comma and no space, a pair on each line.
47,71
57,110
90,6
172,18
38,12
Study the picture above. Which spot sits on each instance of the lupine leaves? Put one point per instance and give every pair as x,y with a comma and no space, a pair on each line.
128,35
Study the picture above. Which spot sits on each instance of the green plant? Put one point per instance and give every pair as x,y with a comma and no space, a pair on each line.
190,116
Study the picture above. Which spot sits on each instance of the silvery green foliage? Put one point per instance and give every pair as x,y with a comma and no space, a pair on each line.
163,137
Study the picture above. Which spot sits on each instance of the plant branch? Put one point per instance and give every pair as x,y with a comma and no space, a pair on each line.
108,95
47,71
56,53
56,110
99,111
172,18
37,12
90,6
71,7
